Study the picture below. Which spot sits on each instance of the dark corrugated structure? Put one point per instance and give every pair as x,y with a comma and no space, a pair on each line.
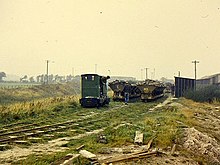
182,85
209,80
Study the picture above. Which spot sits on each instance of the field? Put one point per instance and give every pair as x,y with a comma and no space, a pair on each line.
46,130
21,94
8,85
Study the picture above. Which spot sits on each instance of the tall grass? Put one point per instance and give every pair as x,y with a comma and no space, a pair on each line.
204,94
8,96
16,111
160,124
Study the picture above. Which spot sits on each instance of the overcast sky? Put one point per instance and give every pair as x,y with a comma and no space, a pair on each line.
120,37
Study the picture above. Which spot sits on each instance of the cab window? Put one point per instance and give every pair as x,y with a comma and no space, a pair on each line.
90,78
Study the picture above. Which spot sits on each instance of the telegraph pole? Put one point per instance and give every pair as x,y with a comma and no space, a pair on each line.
195,62
47,71
146,73
47,80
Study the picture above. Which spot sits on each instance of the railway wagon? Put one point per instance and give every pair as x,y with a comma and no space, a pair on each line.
117,87
94,90
151,90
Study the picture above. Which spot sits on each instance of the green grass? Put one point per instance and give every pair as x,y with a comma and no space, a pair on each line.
8,96
36,109
159,124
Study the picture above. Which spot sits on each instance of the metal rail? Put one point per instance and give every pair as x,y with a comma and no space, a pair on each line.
11,136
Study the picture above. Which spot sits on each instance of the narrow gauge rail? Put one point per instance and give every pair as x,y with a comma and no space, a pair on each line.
10,125
11,136
19,127
24,131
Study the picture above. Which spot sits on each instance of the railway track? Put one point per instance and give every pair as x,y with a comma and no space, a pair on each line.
30,132
50,131
10,134
21,132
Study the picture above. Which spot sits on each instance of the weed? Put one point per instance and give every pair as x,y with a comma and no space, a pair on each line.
120,124
24,110
204,94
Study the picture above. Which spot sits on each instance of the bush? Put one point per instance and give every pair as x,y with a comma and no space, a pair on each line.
204,94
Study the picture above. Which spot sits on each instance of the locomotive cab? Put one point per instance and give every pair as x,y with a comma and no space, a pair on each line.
94,90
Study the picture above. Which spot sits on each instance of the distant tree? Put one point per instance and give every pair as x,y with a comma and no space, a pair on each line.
24,79
31,79
2,74
69,78
40,78
50,78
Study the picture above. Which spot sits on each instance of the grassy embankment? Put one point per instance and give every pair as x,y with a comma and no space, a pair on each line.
21,103
159,124
163,124
8,96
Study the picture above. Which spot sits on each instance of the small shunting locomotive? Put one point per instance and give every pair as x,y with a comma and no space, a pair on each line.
94,90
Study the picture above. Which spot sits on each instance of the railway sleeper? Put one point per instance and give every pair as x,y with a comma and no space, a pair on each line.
21,142
38,130
35,139
4,147
48,135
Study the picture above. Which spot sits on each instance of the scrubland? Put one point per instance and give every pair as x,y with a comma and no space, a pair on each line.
192,127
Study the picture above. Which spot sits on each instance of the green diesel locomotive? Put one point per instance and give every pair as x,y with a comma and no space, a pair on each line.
94,90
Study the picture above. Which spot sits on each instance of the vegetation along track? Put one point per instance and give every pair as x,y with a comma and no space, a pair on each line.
11,133
68,122
37,129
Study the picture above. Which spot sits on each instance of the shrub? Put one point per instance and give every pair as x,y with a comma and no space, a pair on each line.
204,94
